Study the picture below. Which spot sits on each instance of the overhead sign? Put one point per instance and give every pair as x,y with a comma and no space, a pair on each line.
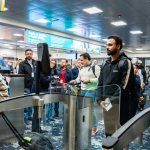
2,5
61,42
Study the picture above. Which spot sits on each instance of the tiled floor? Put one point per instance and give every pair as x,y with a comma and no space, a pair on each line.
55,135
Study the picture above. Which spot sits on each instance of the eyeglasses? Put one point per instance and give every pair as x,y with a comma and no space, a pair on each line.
53,63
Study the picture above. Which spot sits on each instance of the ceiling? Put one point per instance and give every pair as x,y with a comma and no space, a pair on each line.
70,15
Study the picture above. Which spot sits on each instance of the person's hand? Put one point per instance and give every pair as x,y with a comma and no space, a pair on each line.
102,104
56,77
141,98
24,90
86,81
73,82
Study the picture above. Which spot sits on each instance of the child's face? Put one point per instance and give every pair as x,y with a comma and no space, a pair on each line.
135,69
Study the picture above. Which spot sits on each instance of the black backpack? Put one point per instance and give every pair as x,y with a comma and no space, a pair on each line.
31,140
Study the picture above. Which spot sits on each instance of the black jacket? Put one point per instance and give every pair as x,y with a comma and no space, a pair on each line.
44,81
25,68
110,74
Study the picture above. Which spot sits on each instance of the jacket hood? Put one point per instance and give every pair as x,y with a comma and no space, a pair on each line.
122,56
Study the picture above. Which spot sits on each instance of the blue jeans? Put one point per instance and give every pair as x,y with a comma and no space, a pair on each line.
92,93
28,110
49,111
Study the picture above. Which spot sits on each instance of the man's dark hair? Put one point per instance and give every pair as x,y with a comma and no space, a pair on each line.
65,60
20,59
119,40
50,55
28,50
136,66
86,55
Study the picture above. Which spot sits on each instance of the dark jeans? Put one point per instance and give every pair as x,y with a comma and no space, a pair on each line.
56,108
142,106
36,121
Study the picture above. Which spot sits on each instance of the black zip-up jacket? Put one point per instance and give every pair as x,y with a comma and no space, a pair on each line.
25,68
110,75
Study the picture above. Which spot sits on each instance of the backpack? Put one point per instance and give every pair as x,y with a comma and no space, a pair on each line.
3,88
30,140
93,69
133,90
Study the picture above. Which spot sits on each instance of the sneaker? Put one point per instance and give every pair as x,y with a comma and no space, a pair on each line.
55,115
51,120
140,109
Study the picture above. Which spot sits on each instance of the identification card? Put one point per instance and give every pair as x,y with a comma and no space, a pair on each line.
109,105
32,74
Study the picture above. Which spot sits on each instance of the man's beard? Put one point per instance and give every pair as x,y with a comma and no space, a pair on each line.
112,52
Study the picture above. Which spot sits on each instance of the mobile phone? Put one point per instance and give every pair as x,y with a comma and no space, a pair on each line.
81,80
109,105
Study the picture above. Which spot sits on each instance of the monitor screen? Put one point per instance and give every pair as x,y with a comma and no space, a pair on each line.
71,55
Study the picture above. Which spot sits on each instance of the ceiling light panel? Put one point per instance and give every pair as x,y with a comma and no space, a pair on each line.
139,49
119,23
94,35
43,20
17,34
136,32
92,10
72,29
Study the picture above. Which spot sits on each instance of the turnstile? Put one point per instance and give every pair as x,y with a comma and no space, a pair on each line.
70,113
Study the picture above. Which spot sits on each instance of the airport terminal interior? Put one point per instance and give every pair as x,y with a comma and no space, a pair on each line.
37,37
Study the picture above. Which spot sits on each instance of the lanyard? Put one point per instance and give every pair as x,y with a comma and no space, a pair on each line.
30,64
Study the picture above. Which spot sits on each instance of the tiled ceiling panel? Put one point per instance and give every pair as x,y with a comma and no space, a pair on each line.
70,14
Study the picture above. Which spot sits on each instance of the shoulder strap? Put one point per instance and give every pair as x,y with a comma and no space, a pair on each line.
93,69
81,67
121,63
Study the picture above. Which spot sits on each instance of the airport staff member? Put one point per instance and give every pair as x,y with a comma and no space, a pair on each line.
89,81
111,74
27,67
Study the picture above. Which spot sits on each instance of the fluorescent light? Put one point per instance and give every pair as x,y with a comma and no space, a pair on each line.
17,34
104,39
119,23
146,36
22,46
92,10
72,29
138,49
5,9
10,47
21,41
94,35
34,48
136,32
42,20
7,44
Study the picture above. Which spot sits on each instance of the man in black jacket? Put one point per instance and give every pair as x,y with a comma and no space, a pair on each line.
110,74
27,67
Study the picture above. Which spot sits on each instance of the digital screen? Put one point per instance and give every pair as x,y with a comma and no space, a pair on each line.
70,55
61,42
